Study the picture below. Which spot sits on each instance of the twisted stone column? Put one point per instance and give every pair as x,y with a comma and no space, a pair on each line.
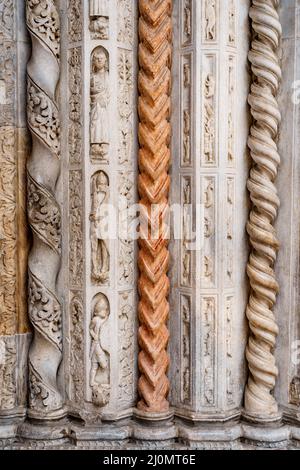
43,210
262,142
154,135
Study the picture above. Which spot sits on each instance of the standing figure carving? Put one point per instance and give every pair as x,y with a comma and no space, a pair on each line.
210,20
99,355
99,236
99,18
99,118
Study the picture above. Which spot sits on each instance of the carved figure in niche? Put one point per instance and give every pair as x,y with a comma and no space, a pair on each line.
210,20
208,228
209,195
186,138
99,19
187,19
208,267
100,253
295,391
229,327
99,354
186,232
99,105
209,119
232,22
187,75
230,138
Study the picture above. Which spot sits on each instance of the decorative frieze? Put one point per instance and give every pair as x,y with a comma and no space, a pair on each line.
125,106
125,21
126,243
75,106
126,333
75,16
77,336
76,258
8,235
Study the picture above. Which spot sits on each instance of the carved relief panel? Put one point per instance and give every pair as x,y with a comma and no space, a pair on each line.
99,351
99,116
99,228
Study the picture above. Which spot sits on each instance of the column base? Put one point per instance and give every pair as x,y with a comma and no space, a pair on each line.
154,426
43,430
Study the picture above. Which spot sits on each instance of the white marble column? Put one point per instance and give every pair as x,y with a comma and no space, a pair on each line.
102,146
209,288
287,390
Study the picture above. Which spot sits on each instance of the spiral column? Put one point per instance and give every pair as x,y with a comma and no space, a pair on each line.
45,310
155,50
266,71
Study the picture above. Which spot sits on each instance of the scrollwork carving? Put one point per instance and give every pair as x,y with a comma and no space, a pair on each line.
76,348
44,311
76,228
43,21
44,215
75,106
126,347
8,239
125,106
75,20
125,21
43,116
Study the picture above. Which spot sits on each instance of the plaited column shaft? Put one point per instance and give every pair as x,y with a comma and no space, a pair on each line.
154,157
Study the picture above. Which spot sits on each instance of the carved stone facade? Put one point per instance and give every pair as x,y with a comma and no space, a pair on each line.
172,323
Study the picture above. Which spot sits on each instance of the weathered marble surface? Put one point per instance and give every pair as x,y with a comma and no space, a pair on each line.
94,277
